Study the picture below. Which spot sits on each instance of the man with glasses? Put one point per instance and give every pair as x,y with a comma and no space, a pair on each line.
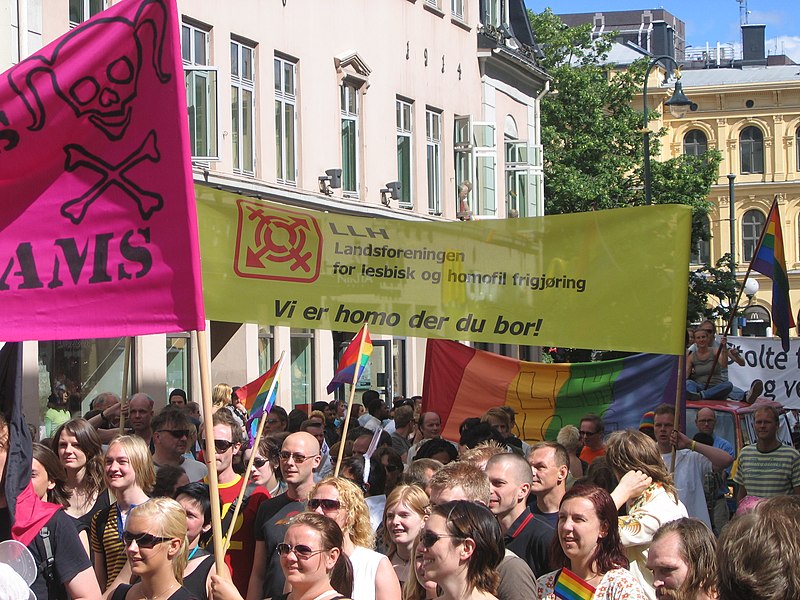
171,432
299,456
277,421
227,443
591,431
705,421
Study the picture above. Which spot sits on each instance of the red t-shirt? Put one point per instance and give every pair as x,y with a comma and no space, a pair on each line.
588,455
239,556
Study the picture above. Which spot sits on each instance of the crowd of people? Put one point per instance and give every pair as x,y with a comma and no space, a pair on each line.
125,512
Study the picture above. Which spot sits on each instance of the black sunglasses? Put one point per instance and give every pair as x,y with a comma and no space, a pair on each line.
176,433
325,503
220,446
143,540
428,538
259,462
300,551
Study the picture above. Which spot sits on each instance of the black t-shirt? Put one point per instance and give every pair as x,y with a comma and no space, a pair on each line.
180,594
529,538
271,520
67,551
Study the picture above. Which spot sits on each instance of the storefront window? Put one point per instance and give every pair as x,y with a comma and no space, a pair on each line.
266,349
179,363
85,367
302,347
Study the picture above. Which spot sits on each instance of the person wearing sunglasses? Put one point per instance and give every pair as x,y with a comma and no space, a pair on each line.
266,471
171,433
341,500
588,549
311,559
405,513
156,546
130,476
297,459
461,547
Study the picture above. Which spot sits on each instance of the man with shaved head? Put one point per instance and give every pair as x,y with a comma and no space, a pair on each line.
299,457
510,478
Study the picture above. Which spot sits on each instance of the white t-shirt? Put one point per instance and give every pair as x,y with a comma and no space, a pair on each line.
690,471
365,571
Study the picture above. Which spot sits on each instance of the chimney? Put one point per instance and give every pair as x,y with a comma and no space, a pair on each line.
662,40
753,45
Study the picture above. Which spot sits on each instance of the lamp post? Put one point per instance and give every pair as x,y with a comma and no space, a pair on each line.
678,105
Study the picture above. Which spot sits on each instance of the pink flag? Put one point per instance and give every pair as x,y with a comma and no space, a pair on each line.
98,226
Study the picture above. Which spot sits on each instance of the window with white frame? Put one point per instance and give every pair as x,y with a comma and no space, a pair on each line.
201,92
405,142
521,179
476,165
491,12
302,366
433,152
266,348
457,9
285,120
752,225
349,102
243,120
81,10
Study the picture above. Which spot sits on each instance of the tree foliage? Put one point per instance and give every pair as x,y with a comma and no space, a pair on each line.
593,143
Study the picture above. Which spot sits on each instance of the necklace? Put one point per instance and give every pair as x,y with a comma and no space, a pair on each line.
162,594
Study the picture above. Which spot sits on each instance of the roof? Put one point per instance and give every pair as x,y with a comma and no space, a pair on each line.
746,75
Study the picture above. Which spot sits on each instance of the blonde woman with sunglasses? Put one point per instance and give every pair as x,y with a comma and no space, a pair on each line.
341,500
156,546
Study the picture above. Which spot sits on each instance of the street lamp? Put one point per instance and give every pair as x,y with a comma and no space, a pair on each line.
678,106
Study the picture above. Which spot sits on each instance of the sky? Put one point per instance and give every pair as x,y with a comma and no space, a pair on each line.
708,20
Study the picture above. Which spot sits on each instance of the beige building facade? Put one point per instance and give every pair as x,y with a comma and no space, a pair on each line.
365,107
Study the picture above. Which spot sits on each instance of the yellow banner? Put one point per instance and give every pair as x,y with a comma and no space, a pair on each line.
613,279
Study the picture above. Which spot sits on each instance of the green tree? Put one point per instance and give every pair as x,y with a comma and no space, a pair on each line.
592,137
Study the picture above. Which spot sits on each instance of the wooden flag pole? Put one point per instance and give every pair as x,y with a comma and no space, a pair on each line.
342,442
678,390
246,477
126,361
210,454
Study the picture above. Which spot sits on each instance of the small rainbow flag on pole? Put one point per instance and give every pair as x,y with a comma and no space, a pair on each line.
571,587
353,360
769,260
261,393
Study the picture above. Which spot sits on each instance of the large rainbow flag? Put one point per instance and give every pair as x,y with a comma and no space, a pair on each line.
462,382
769,260
355,356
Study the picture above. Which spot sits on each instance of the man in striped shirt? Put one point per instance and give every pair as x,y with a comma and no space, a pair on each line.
767,468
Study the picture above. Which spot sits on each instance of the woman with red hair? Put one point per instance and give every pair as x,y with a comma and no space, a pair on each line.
587,550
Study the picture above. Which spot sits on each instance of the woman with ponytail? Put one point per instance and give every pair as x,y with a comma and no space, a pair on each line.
156,546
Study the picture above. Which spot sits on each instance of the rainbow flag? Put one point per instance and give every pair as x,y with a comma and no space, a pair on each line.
770,261
260,394
463,382
571,587
356,355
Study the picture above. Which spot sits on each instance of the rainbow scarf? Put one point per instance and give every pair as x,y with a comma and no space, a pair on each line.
571,587
770,262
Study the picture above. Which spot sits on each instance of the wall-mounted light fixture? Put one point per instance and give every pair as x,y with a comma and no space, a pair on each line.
330,181
392,189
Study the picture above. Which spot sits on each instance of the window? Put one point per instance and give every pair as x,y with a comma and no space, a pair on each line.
179,363
302,368
201,92
457,8
243,120
523,174
797,146
285,121
752,225
405,142
476,160
695,143
751,141
266,348
433,152
349,104
491,12
701,251
81,10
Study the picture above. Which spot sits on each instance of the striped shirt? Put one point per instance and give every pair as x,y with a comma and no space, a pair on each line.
768,474
110,548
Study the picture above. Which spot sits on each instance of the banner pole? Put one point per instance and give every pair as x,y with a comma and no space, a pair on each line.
126,361
681,383
246,477
210,454
343,441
